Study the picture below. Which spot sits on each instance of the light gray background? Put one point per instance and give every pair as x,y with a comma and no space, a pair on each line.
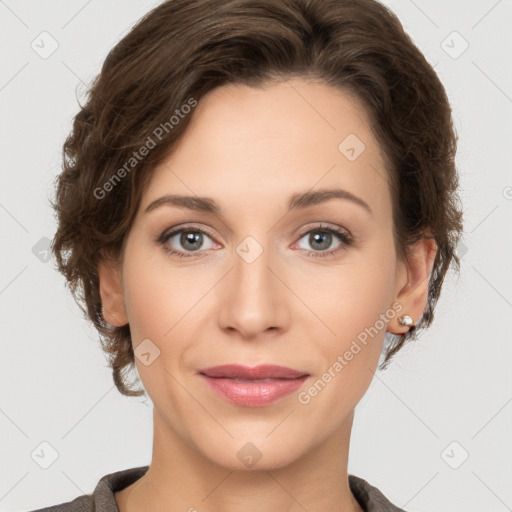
454,384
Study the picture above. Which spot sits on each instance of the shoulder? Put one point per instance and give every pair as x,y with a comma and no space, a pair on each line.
102,498
369,497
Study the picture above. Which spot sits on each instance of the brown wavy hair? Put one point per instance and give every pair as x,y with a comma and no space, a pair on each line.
181,50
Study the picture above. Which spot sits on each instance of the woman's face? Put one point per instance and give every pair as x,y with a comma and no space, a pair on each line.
258,282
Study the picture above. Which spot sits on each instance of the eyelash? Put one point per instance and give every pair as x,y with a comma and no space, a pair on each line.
345,239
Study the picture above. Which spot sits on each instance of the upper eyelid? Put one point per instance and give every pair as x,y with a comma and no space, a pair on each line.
326,227
173,231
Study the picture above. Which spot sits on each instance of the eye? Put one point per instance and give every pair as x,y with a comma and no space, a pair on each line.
324,239
186,240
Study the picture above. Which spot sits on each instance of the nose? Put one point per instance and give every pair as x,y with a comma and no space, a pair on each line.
253,300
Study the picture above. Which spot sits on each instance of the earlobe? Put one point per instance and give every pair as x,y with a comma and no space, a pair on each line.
413,295
111,292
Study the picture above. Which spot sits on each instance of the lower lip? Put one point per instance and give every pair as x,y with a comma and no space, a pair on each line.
255,393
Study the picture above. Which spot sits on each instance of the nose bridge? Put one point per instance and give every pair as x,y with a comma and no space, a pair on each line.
251,299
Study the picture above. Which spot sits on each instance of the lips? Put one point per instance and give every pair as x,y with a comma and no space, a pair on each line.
252,387
258,373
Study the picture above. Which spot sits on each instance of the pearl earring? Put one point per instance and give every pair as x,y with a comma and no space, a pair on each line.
406,320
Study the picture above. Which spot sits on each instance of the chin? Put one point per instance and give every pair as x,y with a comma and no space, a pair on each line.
258,454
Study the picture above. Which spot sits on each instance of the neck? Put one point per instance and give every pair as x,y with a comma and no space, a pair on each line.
181,478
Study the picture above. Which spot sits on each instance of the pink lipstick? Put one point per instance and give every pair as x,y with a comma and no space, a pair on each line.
252,387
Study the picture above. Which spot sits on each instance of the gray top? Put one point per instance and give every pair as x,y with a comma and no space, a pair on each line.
103,500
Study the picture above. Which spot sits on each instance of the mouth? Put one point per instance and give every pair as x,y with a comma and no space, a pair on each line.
252,387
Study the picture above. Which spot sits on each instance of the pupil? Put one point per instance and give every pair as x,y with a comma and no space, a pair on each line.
193,238
323,239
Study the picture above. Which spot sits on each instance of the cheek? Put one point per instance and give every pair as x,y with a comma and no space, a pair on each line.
156,295
149,304
156,306
354,302
355,310
350,297
163,301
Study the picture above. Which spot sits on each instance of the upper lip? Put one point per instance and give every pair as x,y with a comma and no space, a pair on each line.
265,371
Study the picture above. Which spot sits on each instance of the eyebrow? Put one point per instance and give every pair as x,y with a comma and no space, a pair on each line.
299,200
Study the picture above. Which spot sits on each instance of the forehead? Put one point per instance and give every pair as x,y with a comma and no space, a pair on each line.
245,145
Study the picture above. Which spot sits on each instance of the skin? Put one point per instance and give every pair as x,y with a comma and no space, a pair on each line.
250,149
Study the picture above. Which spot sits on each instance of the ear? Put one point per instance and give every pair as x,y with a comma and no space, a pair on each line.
412,283
111,292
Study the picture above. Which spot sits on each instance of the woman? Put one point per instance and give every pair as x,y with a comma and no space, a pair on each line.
305,151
